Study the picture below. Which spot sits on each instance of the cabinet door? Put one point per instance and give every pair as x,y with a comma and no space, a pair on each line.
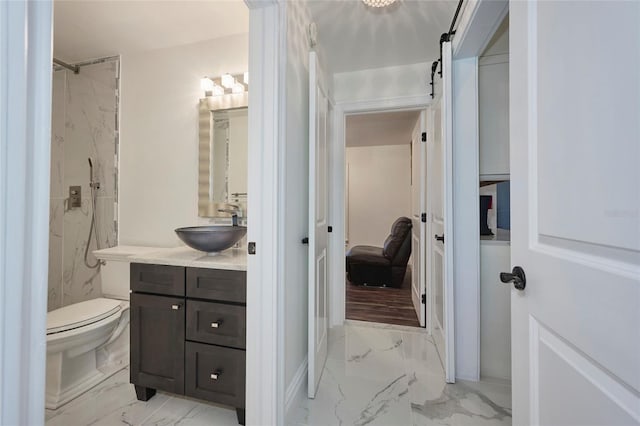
217,323
157,342
215,374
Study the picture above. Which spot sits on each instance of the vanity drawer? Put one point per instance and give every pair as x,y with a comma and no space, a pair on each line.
216,323
215,374
160,279
217,284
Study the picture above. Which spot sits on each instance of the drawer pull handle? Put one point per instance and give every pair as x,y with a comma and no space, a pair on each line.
216,374
176,307
216,324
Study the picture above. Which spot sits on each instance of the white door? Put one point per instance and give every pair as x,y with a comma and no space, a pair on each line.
575,203
435,217
419,227
318,226
439,210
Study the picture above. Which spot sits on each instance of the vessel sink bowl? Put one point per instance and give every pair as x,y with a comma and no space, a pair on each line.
211,239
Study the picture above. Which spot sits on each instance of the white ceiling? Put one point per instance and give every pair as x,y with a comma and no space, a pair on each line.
87,29
356,37
383,128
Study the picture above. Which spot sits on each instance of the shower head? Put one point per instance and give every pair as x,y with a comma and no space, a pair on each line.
90,171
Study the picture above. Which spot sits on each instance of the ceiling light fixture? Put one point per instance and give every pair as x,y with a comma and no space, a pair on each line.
378,3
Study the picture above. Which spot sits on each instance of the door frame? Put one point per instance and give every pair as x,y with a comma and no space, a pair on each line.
265,387
337,183
25,158
478,23
26,222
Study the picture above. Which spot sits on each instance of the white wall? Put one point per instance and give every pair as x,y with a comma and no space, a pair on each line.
160,89
466,250
379,187
388,82
295,181
495,311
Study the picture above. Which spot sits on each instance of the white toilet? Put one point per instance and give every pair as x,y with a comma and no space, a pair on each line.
87,342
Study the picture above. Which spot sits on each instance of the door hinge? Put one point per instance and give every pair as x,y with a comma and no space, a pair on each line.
423,218
251,247
424,136
424,299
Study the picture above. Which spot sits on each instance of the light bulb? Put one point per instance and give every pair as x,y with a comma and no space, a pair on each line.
228,81
217,90
238,88
206,84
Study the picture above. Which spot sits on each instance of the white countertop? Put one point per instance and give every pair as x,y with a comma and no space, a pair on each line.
231,259
502,236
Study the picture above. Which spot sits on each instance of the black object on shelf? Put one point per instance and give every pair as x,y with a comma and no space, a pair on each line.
485,205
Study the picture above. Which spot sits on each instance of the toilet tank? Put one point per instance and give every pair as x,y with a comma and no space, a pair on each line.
114,273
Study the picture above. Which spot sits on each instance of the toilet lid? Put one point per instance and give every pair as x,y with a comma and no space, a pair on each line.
81,314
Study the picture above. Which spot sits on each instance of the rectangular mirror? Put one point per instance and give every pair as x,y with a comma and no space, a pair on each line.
222,177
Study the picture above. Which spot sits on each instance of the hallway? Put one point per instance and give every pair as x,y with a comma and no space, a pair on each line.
392,375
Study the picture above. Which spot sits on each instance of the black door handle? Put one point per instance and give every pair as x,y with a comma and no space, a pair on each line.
516,277
305,240
439,237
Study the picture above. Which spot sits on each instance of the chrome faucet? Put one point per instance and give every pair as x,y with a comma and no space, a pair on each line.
234,210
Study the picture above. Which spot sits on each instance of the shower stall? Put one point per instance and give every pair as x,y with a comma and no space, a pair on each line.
83,194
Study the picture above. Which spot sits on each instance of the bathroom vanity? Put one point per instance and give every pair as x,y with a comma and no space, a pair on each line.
188,324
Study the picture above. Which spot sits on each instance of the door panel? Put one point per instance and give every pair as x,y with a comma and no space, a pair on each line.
575,220
157,336
418,229
436,220
318,226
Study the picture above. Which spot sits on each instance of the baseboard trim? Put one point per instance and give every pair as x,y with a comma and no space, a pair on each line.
297,383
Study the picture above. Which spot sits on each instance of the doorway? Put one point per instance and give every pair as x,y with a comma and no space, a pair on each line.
381,176
494,196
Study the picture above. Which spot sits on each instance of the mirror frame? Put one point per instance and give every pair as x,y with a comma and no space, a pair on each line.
207,107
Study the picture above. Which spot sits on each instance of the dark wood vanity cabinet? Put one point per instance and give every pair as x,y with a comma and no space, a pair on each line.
188,328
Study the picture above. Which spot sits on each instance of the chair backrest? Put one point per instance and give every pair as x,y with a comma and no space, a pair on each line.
397,246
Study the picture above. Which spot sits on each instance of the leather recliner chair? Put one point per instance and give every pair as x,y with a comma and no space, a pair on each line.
382,266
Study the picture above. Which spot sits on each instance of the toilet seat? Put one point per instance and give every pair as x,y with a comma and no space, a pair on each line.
81,314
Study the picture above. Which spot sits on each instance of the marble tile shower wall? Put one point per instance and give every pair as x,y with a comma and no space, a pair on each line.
84,124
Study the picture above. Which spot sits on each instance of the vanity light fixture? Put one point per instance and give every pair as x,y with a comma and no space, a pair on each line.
227,84
378,3
228,81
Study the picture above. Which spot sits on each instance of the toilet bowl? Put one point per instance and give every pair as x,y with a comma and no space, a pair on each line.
88,342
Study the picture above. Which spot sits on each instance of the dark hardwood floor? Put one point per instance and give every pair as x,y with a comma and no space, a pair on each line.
382,304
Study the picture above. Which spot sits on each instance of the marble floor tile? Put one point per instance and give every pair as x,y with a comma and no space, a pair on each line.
188,412
393,376
112,402
347,399
374,376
